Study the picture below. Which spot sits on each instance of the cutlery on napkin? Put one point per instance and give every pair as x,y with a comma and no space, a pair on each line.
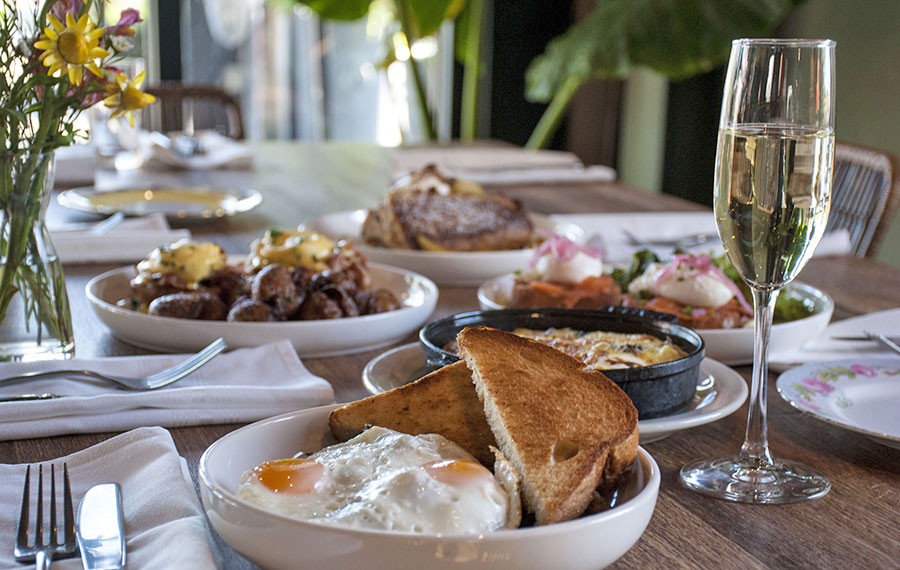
214,151
833,343
130,240
611,232
165,526
239,386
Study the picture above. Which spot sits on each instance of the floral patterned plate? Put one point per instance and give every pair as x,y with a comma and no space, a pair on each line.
859,395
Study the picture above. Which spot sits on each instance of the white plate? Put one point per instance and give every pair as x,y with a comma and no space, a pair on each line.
456,268
721,390
858,394
178,203
318,338
731,346
274,541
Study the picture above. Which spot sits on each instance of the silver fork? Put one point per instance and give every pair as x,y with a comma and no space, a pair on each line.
883,340
39,550
151,382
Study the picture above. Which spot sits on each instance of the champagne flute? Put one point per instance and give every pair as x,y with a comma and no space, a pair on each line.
772,197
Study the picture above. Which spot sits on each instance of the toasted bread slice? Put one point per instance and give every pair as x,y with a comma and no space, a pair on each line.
443,402
561,426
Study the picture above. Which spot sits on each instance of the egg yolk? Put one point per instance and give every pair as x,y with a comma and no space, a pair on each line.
459,473
290,476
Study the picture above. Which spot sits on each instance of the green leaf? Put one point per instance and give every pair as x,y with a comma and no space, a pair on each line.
426,16
338,9
677,38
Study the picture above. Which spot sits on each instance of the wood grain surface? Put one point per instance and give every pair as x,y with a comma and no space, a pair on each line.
854,526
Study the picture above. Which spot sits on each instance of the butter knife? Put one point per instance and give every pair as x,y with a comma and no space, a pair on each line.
101,533
868,338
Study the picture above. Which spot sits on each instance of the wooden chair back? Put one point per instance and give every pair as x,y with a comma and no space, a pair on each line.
209,107
865,196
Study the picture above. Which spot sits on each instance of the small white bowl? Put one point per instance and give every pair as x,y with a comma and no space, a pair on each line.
275,541
730,346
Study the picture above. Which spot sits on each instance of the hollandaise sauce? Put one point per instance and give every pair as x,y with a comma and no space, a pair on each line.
191,261
291,248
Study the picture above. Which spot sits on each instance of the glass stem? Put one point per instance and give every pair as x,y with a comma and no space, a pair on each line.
756,441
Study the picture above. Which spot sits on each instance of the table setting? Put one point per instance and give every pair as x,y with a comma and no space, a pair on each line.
247,320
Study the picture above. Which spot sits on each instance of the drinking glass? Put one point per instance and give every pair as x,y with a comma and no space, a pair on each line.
772,197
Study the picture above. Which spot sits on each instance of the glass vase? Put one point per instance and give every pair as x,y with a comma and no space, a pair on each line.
35,320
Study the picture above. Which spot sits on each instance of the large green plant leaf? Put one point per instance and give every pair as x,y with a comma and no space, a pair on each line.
678,38
338,9
426,16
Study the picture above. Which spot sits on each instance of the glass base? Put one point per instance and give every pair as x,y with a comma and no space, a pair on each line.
749,481
30,351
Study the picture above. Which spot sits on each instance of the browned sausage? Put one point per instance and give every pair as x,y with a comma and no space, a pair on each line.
202,306
250,310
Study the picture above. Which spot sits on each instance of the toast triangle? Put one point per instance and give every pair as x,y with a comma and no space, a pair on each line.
443,402
564,428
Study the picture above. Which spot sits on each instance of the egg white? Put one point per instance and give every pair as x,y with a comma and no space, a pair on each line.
376,481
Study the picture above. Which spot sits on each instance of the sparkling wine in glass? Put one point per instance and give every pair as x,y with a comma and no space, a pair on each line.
772,197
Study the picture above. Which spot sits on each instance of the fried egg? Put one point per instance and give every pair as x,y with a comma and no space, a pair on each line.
383,479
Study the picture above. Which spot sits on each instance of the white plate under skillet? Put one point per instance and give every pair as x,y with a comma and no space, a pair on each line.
453,268
731,346
317,338
721,390
857,394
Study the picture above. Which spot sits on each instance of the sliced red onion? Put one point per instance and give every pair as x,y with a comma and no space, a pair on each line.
561,248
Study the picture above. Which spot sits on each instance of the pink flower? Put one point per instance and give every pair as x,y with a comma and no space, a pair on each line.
129,17
817,386
63,7
863,370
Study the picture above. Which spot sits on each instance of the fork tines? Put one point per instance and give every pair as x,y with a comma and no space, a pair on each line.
27,549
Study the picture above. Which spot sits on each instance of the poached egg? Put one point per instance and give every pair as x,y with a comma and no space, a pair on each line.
683,284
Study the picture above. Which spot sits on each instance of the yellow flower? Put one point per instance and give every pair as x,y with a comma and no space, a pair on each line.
71,47
125,97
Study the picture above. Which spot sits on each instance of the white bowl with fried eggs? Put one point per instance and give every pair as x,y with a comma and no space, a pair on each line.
277,541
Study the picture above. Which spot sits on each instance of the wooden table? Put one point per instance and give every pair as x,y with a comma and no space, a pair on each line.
854,526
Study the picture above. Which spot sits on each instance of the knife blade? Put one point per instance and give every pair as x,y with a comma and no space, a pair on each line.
894,339
101,532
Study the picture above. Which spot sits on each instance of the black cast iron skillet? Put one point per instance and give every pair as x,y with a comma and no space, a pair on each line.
657,390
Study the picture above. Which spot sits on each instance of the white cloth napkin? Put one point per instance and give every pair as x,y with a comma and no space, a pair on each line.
825,347
537,175
500,165
607,231
240,386
130,241
165,526
216,152
75,165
